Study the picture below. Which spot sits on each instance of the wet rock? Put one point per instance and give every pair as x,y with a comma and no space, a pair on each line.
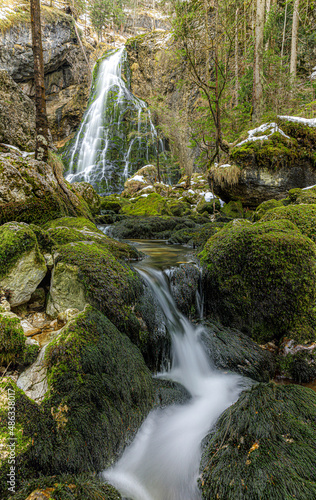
230,349
169,393
33,381
268,427
149,227
261,279
22,265
65,291
185,289
88,193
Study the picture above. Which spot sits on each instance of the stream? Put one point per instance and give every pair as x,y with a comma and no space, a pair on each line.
162,463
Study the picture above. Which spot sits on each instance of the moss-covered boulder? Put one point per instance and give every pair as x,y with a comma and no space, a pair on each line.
147,205
71,229
230,349
35,192
22,266
273,159
99,391
150,227
89,194
303,216
264,207
261,278
66,486
263,447
184,285
12,340
86,271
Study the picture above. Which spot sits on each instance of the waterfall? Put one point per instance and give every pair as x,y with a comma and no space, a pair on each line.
116,137
162,463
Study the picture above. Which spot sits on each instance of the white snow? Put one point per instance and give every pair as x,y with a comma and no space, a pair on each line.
191,191
147,187
208,196
139,178
311,122
225,165
271,128
309,187
144,195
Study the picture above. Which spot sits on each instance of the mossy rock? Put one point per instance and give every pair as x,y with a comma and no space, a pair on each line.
99,279
67,487
150,227
307,196
265,444
233,209
264,207
150,205
100,390
30,422
303,216
298,366
261,278
73,229
230,349
184,286
275,153
112,202
178,209
208,206
22,266
12,340
88,193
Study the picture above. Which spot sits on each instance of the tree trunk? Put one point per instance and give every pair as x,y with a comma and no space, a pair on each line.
284,30
293,62
41,151
258,67
236,60
158,165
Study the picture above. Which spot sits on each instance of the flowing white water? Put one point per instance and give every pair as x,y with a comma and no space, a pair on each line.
162,463
114,134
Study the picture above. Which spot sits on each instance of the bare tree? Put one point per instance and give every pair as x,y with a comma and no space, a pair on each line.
41,151
293,62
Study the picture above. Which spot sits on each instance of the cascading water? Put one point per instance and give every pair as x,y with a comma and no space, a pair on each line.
162,463
116,136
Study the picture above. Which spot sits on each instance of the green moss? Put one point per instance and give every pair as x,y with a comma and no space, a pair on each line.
208,207
73,229
12,341
69,487
264,207
150,227
303,216
111,286
151,205
80,223
233,209
266,446
112,202
30,354
15,240
307,196
300,367
261,278
99,391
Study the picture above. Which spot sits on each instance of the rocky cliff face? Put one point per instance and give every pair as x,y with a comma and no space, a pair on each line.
67,78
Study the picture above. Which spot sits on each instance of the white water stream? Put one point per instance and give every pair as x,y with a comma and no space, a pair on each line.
102,132
162,463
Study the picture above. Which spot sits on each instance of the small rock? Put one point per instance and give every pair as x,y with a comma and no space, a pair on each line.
67,315
29,330
38,319
49,260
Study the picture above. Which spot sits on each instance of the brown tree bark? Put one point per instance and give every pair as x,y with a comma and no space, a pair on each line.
41,151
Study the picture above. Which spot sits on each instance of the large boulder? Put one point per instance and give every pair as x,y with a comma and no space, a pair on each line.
12,340
267,164
22,265
261,278
17,115
99,392
35,191
263,447
303,216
